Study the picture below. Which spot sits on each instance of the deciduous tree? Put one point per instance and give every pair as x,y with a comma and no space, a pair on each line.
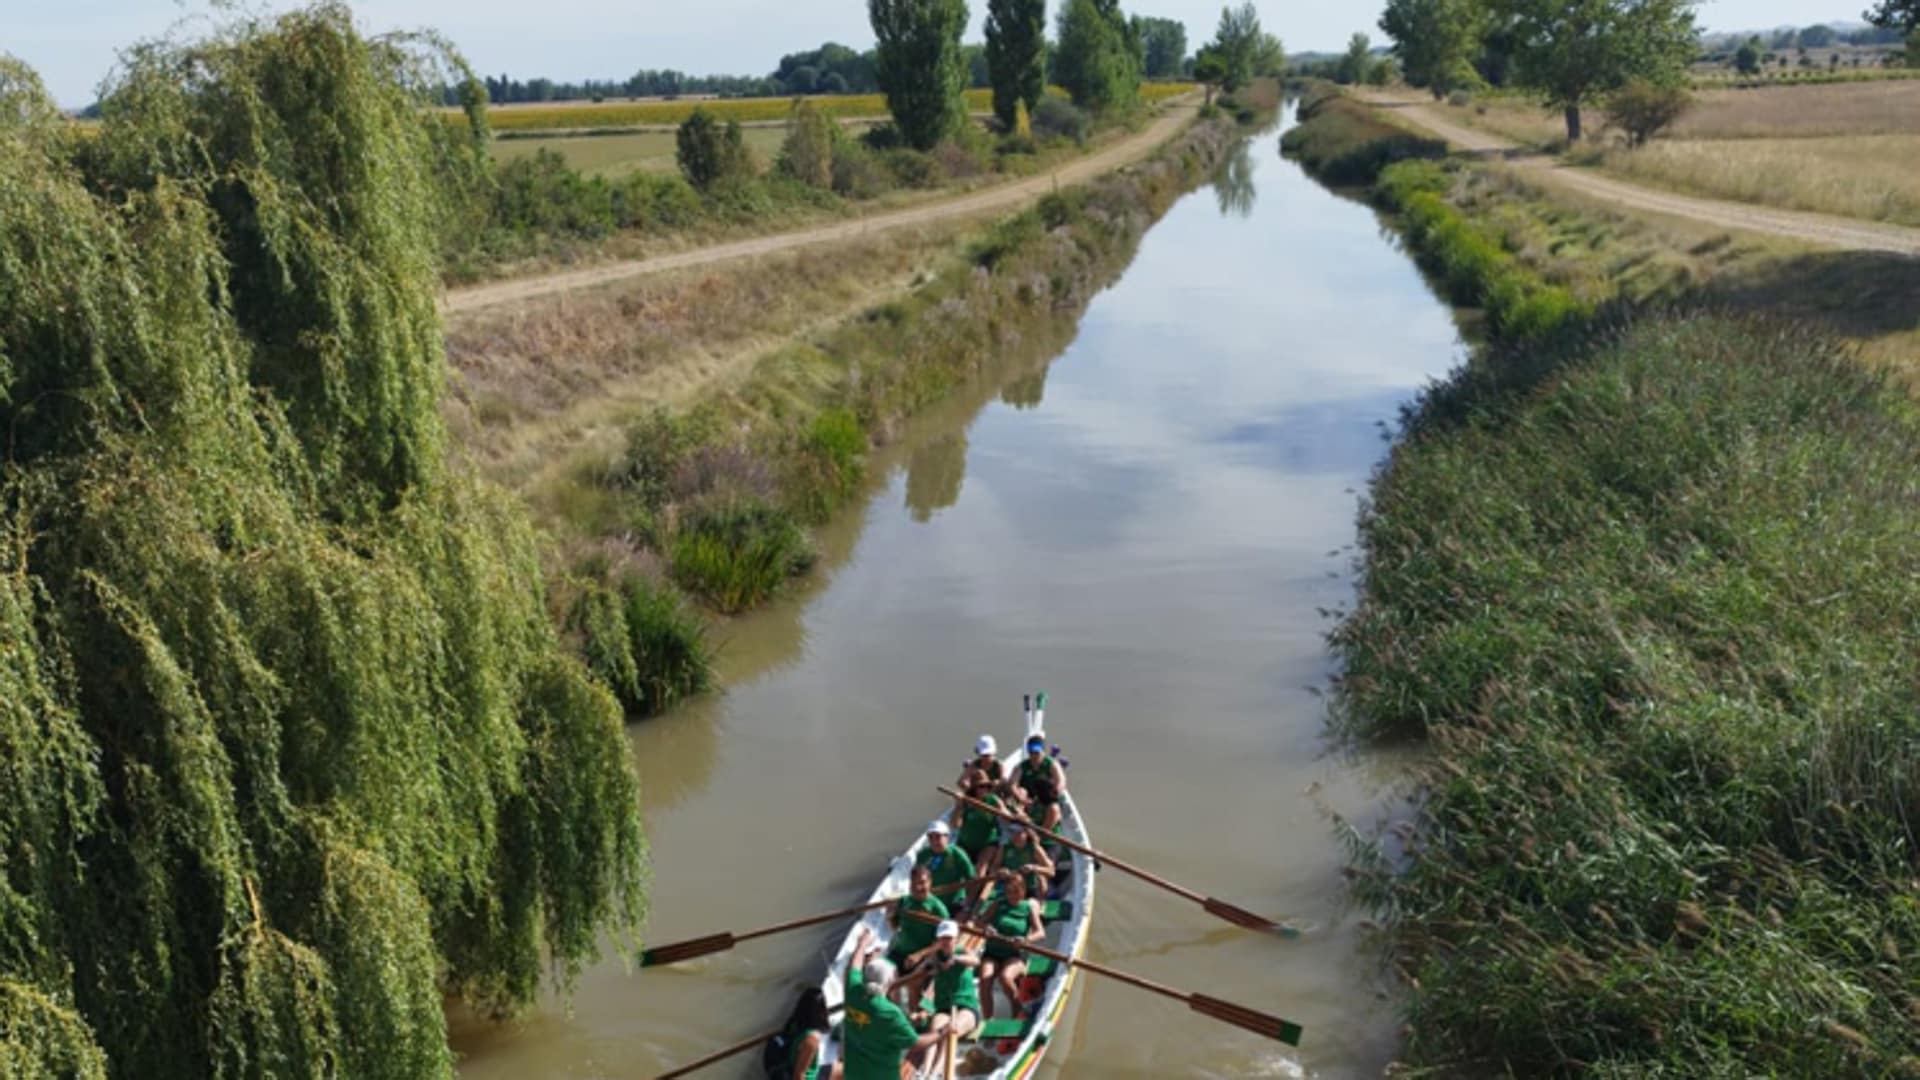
1356,62
919,66
1164,45
1435,40
1236,41
1016,56
1096,60
1575,52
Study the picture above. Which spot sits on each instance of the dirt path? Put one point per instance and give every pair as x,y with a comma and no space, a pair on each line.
1000,197
1823,230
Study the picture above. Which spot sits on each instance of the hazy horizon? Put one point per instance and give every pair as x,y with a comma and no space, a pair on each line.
75,46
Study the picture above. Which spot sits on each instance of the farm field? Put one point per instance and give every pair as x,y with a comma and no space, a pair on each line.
613,156
617,114
1851,149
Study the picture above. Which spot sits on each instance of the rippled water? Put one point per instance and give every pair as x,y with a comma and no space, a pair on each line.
1149,529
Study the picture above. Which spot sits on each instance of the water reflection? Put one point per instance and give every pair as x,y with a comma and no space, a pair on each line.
1233,185
935,475
1028,391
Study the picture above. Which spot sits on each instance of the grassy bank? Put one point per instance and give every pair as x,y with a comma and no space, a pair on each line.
1345,143
712,497
1652,597
1645,583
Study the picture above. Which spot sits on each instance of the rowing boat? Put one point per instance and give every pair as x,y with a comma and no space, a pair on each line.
1005,1048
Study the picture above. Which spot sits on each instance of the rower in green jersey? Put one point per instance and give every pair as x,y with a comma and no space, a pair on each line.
1023,854
1039,783
877,1033
910,934
979,829
956,996
1016,917
947,863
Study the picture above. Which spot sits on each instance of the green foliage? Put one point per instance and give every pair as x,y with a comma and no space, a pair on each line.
1095,59
1163,45
1210,69
1016,57
1344,143
712,155
1435,40
806,154
1573,52
1356,64
1643,109
293,750
1232,50
1746,59
1474,266
640,640
827,470
736,552
1901,15
1651,597
920,67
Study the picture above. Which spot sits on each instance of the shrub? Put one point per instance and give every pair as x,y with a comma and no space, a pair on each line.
913,169
659,446
641,641
1459,98
829,465
1643,109
712,154
955,161
806,154
735,553
543,194
1342,142
1057,118
856,174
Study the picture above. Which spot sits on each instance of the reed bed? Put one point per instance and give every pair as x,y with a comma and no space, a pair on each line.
1652,595
1876,177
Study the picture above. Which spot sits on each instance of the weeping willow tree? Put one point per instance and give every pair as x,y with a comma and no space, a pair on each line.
290,749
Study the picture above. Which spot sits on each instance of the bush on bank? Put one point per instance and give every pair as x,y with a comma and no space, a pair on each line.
1654,604
1345,144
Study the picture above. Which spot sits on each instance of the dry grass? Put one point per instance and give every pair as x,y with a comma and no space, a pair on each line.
1875,177
1509,116
535,386
615,156
1868,108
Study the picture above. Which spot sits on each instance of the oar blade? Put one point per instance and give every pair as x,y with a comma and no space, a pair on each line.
1273,1027
681,951
1240,916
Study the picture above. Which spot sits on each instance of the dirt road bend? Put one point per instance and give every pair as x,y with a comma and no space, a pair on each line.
1823,230
1000,197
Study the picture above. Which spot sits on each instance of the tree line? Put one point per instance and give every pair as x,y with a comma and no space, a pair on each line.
1571,53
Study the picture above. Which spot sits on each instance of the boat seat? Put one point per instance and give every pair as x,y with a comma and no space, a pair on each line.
1055,910
1039,967
997,1029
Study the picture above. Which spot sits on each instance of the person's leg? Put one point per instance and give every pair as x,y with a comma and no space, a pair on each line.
1010,973
988,965
923,1047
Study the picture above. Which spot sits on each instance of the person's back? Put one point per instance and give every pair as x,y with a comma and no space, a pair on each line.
877,1033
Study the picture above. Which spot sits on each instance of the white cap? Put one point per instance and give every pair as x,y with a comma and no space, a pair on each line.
985,745
939,828
949,928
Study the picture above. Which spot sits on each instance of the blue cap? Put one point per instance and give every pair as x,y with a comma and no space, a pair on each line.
1036,742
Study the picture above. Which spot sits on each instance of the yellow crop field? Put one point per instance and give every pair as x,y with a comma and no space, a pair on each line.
619,114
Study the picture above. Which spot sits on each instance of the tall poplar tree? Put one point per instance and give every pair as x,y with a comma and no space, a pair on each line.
920,66
1016,55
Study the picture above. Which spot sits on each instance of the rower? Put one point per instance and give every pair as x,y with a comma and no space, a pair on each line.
986,759
877,1033
947,863
1012,916
979,829
956,994
1039,783
911,935
1026,858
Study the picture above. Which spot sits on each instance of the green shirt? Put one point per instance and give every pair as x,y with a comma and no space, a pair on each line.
793,1057
912,934
948,866
955,988
1010,922
979,828
1017,857
878,1035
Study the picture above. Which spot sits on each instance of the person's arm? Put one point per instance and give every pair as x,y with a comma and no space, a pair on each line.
804,1058
1036,926
966,861
862,948
1059,775
1042,862
900,1034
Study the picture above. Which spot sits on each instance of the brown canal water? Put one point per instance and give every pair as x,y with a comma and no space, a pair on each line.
1150,528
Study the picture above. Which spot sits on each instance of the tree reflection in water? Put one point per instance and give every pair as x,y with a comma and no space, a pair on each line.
935,474
1233,184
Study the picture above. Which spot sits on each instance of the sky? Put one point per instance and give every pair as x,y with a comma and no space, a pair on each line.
73,43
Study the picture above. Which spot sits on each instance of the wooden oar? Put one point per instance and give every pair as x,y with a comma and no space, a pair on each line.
1273,1027
1220,909
682,951
740,1047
